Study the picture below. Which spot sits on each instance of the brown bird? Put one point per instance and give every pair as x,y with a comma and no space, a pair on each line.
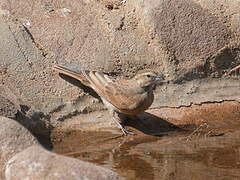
130,97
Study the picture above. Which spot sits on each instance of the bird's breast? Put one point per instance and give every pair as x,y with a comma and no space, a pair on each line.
141,104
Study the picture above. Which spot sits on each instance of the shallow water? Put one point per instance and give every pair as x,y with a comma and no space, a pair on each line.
172,156
201,142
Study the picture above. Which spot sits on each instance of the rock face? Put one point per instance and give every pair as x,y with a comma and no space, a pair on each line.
8,109
37,163
14,139
195,43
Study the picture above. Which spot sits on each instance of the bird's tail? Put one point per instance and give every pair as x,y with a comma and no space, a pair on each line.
69,72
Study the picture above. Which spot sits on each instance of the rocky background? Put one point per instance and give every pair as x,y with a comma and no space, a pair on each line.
195,43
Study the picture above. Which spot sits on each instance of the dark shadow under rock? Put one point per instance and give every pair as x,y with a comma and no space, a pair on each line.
7,108
37,123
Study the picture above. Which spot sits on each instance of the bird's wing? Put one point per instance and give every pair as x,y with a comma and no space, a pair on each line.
118,94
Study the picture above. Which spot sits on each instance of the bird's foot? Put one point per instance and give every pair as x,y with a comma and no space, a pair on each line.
126,131
235,70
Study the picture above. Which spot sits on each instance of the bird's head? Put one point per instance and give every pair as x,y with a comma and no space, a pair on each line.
148,79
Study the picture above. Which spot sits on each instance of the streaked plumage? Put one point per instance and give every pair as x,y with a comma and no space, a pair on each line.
124,96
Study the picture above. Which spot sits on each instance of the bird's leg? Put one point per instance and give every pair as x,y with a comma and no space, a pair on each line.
117,120
235,69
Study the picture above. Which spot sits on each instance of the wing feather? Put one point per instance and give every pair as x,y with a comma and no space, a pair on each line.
113,92
121,95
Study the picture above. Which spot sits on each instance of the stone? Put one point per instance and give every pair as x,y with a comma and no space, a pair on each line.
7,108
9,102
14,139
38,163
194,43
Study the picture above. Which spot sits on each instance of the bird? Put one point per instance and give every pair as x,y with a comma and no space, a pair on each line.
120,96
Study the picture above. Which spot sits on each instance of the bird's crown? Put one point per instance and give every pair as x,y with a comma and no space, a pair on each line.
148,78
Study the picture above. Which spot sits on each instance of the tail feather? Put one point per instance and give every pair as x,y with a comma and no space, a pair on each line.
71,73
95,80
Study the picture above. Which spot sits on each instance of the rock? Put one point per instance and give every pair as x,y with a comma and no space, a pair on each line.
169,36
36,122
17,138
9,102
194,43
14,139
5,13
37,163
197,92
64,12
227,11
27,79
25,69
7,108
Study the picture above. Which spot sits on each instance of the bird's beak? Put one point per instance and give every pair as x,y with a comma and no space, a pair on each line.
160,77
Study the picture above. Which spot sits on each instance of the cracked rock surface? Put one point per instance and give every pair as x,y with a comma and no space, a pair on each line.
195,43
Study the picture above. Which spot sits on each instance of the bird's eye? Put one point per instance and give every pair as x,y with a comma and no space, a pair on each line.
148,76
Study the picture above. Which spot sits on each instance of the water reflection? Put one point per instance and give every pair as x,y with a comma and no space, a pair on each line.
167,157
197,142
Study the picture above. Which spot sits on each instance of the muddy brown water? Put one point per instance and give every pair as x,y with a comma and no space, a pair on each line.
208,149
